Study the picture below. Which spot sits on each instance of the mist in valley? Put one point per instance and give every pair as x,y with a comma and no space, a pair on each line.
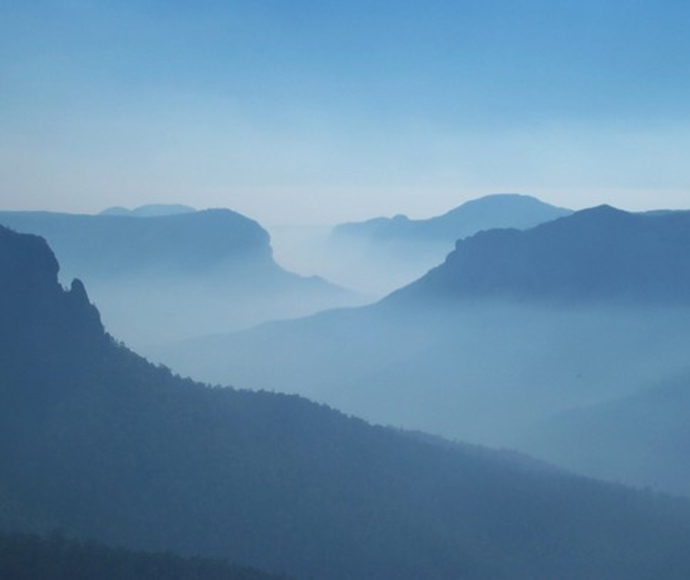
373,269
512,331
380,255
408,297
440,348
407,420
162,273
488,373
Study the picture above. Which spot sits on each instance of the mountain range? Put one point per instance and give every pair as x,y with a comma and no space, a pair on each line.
178,275
150,210
514,329
382,254
600,255
101,445
507,210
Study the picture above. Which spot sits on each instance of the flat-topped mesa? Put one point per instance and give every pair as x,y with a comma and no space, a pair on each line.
600,254
28,270
165,278
113,246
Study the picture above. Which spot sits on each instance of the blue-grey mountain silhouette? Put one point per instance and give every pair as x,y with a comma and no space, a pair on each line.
513,328
595,255
152,275
150,210
383,254
98,443
642,438
507,210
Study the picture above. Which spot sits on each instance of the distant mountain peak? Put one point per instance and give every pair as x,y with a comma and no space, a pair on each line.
507,201
498,198
149,210
500,210
603,210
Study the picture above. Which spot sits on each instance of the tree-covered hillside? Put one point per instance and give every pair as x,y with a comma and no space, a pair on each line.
32,557
98,443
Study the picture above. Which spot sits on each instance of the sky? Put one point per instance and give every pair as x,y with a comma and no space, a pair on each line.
313,112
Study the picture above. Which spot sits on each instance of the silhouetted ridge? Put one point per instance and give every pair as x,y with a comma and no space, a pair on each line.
489,212
151,210
642,438
98,443
31,297
108,246
596,254
150,275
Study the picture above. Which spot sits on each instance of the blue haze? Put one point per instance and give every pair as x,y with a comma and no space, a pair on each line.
324,112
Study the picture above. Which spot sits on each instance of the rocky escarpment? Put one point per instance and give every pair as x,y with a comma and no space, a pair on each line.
36,312
598,255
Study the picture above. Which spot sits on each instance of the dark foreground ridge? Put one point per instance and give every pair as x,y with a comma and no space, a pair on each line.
99,444
31,557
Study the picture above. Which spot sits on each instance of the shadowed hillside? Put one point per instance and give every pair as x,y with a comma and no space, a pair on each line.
643,437
98,443
30,557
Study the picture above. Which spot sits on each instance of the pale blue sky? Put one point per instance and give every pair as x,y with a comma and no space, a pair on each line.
310,111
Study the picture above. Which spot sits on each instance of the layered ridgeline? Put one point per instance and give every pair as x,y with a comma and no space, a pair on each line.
513,328
507,210
643,437
597,256
383,254
97,443
162,277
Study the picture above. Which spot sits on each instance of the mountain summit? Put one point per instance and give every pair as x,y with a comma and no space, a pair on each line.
598,254
503,210
150,210
384,254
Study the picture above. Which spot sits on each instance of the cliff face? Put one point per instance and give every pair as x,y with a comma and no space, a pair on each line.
167,278
107,246
28,271
599,255
35,311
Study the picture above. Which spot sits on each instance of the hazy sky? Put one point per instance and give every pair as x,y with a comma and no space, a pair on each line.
308,111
